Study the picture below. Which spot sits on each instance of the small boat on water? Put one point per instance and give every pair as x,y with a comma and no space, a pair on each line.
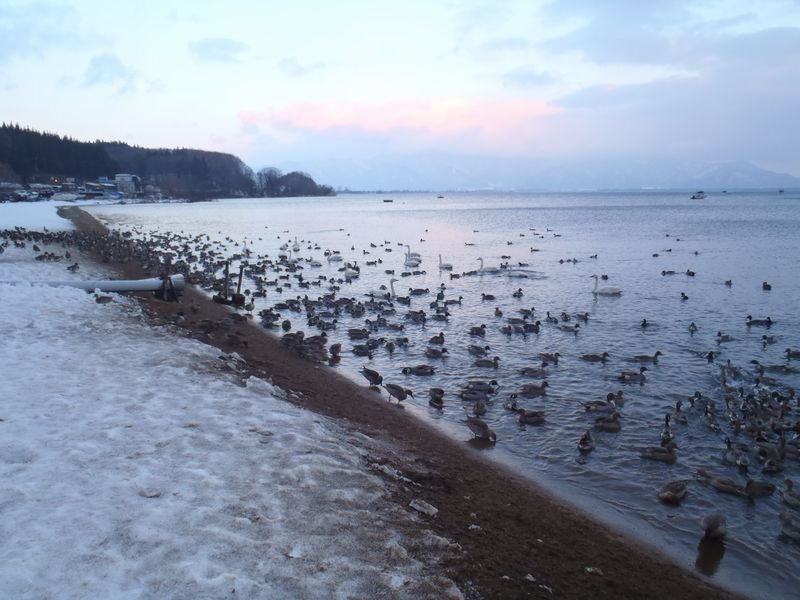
698,195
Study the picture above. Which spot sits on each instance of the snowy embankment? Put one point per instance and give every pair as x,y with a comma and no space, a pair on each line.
137,463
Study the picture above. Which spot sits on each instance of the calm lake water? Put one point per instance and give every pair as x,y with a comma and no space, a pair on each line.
745,238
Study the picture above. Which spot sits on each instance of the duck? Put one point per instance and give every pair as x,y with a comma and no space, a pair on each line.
755,489
479,330
374,378
608,423
684,296
710,420
790,354
518,293
570,328
540,371
715,526
726,485
692,328
679,416
473,395
487,387
480,429
532,390
436,398
586,444
595,357
759,322
633,376
791,527
476,350
398,391
600,405
530,417
435,352
487,297
790,497
550,357
667,454
419,370
724,337
674,492
486,362
646,358
666,433
479,407
437,339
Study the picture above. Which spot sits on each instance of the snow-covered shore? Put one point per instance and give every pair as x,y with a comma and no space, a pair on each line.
137,463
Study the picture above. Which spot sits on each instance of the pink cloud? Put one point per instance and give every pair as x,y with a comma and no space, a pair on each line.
496,123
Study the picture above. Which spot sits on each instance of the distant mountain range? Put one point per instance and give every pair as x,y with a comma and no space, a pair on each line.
437,172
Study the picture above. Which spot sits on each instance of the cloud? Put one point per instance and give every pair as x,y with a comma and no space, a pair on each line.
503,126
526,77
108,69
291,67
31,30
225,50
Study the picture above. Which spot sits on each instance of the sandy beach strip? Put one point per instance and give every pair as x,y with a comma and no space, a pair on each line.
516,540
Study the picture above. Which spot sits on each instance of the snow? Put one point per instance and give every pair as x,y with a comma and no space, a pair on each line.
33,215
137,463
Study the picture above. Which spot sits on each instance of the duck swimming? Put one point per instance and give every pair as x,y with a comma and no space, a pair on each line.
586,443
531,390
419,370
674,492
667,454
646,358
633,376
595,357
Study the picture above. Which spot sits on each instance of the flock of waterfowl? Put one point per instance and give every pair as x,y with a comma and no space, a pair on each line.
753,413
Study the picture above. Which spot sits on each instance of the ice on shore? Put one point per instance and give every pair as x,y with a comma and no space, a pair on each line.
134,465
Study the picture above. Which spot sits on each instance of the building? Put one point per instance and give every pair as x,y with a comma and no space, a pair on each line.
130,185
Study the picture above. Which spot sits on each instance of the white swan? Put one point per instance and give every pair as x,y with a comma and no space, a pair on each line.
487,269
411,254
444,266
604,291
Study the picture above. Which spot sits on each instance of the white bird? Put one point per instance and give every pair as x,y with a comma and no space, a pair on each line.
604,291
444,266
487,269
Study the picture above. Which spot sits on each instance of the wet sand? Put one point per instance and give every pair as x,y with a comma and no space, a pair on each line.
522,532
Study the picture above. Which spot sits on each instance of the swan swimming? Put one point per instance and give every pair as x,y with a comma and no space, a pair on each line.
604,291
444,266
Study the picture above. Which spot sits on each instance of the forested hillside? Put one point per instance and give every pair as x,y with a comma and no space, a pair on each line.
28,156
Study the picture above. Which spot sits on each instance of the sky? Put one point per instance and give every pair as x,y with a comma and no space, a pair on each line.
417,93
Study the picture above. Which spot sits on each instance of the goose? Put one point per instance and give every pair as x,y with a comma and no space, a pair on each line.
374,378
531,390
595,357
418,370
674,492
667,454
759,322
486,362
646,358
480,429
586,443
398,391
790,497
550,357
715,526
444,266
633,376
604,291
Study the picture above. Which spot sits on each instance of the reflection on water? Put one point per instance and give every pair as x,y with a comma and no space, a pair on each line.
647,245
710,552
